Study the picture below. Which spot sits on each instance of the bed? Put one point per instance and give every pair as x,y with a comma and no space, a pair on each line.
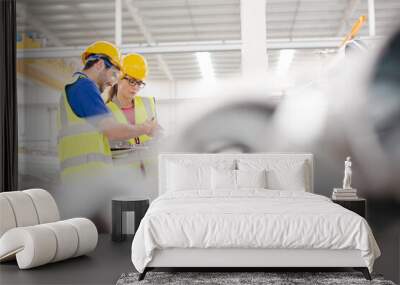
247,210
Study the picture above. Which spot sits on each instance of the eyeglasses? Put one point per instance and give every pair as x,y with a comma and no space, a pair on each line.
135,82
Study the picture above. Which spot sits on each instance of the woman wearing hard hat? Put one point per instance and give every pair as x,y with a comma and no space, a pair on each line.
127,106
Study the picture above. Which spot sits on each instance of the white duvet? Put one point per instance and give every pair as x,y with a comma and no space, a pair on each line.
250,219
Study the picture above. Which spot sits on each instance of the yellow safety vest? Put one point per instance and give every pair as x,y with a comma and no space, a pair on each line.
82,149
144,109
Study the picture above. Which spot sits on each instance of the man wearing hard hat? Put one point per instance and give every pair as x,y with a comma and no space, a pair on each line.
86,124
129,108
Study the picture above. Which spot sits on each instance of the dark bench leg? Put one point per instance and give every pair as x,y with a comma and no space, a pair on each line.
364,271
142,275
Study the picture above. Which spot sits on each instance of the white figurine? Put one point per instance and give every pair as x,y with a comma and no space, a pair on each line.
347,174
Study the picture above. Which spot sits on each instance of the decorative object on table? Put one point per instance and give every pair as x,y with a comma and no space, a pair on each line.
248,278
347,192
347,174
358,205
127,212
32,233
344,194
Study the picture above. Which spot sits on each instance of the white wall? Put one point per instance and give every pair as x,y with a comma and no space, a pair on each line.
36,114
186,89
175,98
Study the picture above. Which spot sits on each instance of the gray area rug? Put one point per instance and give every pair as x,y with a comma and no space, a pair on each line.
273,278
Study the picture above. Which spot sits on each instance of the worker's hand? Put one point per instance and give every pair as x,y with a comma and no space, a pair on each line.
151,127
158,133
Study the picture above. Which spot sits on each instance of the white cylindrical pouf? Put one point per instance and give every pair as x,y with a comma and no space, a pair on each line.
45,205
67,239
23,208
87,233
7,218
34,246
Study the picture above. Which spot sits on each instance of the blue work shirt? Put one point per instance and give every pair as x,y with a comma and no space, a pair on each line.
85,100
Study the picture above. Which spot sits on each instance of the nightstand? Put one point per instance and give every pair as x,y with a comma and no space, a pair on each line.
358,205
127,212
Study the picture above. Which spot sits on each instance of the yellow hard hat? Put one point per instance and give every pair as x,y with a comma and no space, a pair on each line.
103,48
135,66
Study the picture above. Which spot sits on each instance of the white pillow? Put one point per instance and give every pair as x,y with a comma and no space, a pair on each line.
291,178
187,177
251,178
281,174
223,179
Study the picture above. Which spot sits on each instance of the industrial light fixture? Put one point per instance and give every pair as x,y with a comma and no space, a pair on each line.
204,60
285,59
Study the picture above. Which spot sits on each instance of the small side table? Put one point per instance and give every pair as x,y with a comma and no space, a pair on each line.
357,205
126,204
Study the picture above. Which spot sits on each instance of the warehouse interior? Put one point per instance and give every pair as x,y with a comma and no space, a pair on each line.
169,34
204,56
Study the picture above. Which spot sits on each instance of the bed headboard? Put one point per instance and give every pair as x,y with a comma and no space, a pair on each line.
233,158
